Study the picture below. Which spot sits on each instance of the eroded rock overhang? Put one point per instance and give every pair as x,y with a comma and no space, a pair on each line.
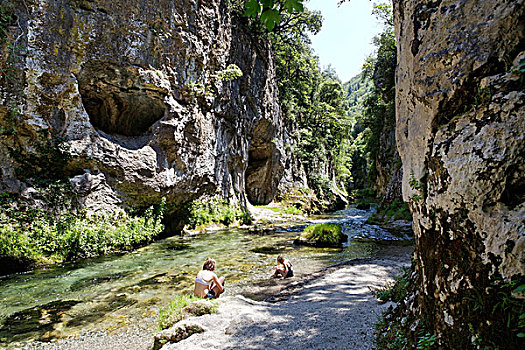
132,86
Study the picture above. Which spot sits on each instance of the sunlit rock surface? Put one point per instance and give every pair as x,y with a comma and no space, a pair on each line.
133,88
460,134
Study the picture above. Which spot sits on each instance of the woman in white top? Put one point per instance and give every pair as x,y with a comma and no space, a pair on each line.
207,284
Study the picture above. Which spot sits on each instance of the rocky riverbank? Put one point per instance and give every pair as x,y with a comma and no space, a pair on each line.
334,309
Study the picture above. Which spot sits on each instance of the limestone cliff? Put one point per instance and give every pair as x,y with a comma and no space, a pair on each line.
460,133
388,167
140,91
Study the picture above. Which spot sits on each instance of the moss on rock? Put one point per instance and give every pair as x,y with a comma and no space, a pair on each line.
322,235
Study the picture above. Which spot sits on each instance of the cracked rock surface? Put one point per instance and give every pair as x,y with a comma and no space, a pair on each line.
460,132
132,86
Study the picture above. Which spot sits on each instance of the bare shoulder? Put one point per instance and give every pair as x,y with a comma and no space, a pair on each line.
208,275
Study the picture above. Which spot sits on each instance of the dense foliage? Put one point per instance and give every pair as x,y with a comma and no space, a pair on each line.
313,103
357,89
31,235
47,224
378,105
357,159
197,213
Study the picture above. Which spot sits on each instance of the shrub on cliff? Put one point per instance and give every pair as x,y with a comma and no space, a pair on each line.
322,235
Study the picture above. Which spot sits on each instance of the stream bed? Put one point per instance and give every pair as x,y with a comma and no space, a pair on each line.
111,292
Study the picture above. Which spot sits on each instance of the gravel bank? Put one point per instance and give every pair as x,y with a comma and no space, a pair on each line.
332,309
335,310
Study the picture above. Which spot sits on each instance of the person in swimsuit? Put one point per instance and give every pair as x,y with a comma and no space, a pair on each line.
207,284
283,268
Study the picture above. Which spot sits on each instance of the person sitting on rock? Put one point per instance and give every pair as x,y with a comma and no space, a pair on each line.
207,284
283,268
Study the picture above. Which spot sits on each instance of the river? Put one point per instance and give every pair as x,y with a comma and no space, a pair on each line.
110,292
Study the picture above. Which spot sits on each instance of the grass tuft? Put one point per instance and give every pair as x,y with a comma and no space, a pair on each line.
324,234
178,310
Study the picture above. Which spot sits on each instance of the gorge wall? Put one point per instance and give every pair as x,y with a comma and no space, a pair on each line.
460,133
140,91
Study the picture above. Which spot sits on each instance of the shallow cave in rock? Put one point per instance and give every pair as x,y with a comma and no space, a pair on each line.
117,101
258,176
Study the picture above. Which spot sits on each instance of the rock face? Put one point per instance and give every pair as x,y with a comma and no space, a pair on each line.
388,166
460,132
135,89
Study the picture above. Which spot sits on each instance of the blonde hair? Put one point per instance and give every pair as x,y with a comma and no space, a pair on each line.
280,259
209,264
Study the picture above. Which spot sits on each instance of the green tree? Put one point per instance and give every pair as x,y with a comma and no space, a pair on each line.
378,109
313,102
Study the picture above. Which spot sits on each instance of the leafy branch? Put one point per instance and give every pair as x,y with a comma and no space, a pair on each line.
418,186
270,12
231,72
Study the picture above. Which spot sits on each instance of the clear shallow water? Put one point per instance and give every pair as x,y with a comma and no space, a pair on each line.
109,292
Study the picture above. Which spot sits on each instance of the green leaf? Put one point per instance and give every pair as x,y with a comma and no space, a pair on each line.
267,3
519,289
521,335
291,5
270,18
253,8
